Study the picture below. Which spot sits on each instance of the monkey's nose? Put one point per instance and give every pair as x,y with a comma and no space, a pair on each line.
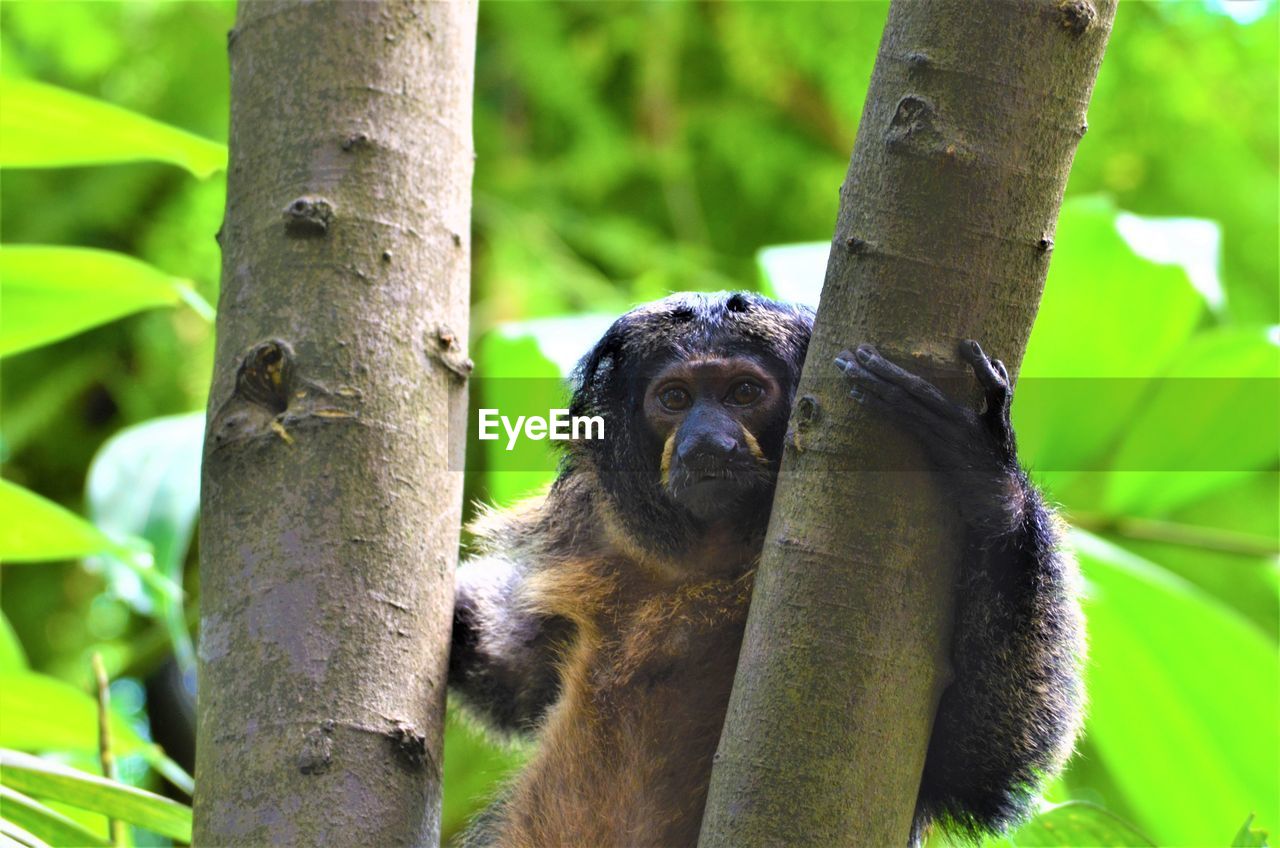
708,449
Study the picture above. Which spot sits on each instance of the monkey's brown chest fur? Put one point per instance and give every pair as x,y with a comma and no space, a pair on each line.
626,754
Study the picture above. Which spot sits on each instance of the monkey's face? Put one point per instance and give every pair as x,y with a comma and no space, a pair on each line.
695,390
718,419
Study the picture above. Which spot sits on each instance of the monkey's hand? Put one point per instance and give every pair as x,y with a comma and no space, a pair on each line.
975,451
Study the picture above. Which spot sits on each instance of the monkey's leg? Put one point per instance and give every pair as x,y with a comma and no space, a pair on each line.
503,658
1011,714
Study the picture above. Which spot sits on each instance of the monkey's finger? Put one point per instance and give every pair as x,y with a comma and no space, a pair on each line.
901,400
924,392
991,374
865,379
862,379
870,390
943,441
983,367
903,406
971,352
999,399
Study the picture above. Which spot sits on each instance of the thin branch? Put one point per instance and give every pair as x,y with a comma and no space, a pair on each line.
1171,532
115,827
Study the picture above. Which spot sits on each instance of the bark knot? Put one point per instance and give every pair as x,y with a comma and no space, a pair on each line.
308,217
449,352
265,375
1076,16
914,124
807,412
356,141
317,749
916,60
271,398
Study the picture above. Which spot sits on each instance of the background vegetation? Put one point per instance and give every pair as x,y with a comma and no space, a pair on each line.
626,151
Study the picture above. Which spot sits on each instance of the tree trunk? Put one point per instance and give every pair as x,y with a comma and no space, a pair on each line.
944,233
333,455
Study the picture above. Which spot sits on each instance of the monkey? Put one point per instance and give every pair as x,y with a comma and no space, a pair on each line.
605,617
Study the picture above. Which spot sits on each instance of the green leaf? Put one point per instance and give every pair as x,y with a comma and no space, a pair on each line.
1193,244
42,713
169,769
1094,266
116,800
53,292
1077,823
1183,699
17,837
145,482
12,657
1248,837
1086,350
1210,423
33,529
43,126
51,827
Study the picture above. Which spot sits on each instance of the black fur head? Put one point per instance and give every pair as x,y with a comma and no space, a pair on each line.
668,512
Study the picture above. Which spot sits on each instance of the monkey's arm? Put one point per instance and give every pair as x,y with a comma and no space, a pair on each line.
1010,718
502,662
1011,715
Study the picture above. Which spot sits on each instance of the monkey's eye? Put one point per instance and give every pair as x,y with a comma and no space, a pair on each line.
674,398
744,393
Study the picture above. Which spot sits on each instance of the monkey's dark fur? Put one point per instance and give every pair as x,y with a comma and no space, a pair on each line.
607,617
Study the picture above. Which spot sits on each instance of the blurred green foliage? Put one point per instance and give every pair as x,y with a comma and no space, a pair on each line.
625,151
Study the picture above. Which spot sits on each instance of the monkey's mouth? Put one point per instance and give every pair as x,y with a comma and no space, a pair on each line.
687,478
716,492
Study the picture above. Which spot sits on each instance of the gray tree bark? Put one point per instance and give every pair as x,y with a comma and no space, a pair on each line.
944,233
332,469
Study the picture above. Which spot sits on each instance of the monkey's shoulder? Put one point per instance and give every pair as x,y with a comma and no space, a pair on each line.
562,522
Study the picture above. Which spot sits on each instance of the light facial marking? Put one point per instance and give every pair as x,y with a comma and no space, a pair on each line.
668,451
752,444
